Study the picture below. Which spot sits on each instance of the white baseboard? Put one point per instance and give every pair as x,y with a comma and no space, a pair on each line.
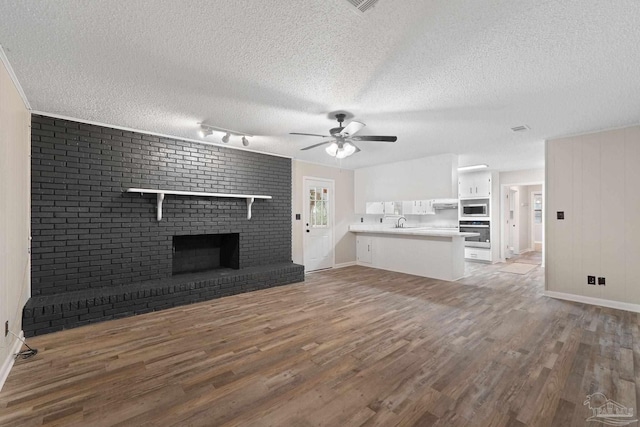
345,264
7,364
594,301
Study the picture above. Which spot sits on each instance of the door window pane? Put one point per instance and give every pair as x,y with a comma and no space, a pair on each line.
318,207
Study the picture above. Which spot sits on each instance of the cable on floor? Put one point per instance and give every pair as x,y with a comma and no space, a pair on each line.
25,354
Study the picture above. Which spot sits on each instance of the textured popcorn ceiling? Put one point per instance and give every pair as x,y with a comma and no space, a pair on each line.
442,75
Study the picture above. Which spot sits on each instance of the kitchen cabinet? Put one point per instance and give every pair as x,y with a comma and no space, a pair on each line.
418,207
364,249
479,254
474,185
375,208
428,253
384,208
393,208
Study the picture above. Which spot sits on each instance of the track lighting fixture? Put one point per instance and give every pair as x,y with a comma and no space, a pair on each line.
206,130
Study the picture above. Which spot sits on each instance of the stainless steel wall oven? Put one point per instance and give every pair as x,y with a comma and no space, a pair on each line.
481,227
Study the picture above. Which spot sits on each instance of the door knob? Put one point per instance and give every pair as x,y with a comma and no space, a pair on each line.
307,231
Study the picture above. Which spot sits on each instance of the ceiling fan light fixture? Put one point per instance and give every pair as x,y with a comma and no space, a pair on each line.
347,150
342,145
332,149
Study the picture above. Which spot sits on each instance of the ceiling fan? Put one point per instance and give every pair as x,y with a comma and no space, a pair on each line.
343,143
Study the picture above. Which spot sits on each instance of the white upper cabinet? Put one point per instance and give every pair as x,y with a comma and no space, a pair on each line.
418,207
384,208
375,208
474,185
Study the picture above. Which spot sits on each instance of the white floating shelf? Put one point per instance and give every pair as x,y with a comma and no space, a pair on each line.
161,193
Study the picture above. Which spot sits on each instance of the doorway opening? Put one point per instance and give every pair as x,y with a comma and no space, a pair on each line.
522,221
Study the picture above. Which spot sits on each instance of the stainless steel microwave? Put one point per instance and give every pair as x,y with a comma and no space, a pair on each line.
475,209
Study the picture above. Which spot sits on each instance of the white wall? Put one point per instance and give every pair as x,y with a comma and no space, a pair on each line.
527,176
14,214
594,179
417,179
345,242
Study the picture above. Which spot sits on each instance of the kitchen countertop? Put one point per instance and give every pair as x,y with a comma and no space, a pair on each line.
410,231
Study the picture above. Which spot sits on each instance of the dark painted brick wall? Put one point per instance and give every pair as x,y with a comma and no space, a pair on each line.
88,233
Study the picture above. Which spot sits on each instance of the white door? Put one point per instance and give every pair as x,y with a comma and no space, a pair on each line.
513,221
364,250
536,221
318,223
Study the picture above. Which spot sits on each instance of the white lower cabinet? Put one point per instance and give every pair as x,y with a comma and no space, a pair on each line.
480,254
438,255
364,249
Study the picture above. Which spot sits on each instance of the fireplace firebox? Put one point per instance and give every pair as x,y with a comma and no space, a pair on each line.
204,252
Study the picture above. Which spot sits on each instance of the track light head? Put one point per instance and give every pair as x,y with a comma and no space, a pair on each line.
204,131
225,138
245,141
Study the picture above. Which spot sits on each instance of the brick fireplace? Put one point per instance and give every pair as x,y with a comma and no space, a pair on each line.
93,243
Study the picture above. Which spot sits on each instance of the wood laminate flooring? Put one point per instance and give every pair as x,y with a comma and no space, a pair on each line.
348,347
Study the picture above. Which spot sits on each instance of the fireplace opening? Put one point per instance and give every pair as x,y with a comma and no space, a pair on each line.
203,252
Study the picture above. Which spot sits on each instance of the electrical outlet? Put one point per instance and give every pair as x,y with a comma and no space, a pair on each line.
6,328
591,280
601,281
361,219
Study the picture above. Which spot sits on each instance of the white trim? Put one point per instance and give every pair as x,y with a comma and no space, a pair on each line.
345,264
570,135
162,135
594,301
8,363
323,164
14,78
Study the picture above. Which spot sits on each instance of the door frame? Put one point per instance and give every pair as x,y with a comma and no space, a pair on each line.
504,189
532,220
332,210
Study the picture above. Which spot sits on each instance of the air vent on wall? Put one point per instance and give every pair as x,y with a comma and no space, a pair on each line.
520,128
363,5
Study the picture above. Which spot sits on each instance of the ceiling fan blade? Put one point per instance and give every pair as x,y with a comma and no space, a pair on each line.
375,138
351,129
309,134
315,145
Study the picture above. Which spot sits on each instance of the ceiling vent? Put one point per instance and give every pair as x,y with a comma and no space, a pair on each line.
521,128
363,5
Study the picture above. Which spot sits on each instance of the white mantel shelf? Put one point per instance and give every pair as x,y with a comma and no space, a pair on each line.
250,198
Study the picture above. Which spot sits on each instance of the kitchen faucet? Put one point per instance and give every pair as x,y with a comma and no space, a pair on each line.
398,224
